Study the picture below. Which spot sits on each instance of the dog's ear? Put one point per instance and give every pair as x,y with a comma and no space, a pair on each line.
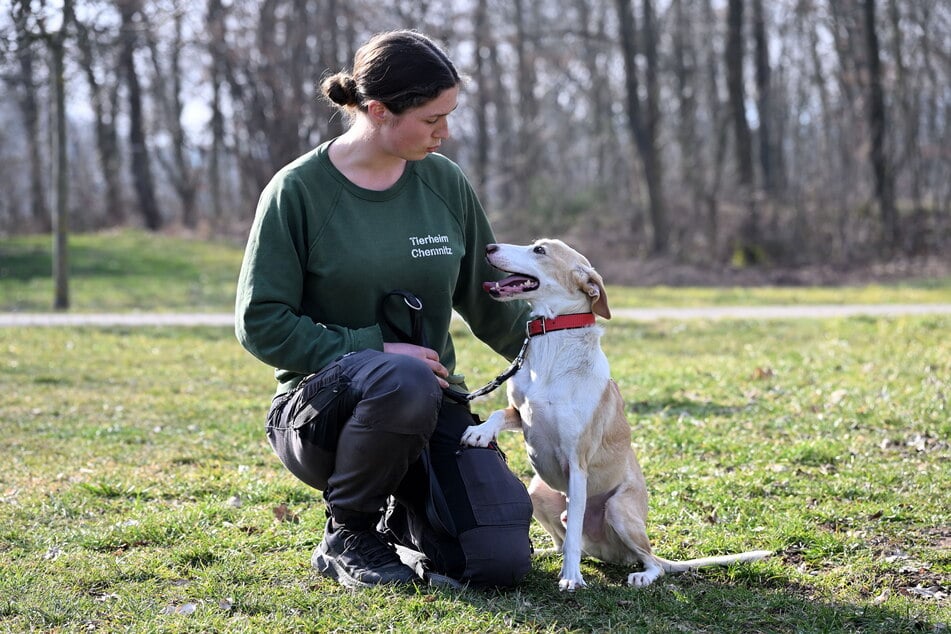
591,283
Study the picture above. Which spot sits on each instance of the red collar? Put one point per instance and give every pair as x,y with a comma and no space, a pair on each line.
540,325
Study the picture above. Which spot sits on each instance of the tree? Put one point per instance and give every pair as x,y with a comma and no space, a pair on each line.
215,23
141,162
644,114
167,85
104,99
735,81
56,43
764,103
746,249
878,154
24,85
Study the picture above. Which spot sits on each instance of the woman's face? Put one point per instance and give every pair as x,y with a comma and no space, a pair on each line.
420,130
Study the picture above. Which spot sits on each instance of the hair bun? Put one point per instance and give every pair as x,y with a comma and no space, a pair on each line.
341,89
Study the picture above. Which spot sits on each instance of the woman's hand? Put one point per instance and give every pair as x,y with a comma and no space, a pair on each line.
426,355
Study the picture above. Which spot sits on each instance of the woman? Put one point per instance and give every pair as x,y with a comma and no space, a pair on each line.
372,211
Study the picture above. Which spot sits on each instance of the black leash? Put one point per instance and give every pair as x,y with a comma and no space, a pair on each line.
418,337
502,378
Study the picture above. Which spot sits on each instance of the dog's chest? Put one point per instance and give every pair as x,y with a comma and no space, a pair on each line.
557,392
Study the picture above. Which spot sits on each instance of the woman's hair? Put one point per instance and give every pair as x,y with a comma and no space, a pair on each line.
400,69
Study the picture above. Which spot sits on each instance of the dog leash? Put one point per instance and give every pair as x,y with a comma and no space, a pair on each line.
495,383
418,337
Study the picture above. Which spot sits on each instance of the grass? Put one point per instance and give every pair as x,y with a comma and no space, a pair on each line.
133,270
138,493
121,271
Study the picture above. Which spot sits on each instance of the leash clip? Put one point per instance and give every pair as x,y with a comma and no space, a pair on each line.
419,303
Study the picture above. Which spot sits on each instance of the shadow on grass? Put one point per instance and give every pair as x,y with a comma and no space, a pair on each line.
24,262
27,261
683,407
740,599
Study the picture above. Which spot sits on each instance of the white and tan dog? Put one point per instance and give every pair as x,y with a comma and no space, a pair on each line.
588,491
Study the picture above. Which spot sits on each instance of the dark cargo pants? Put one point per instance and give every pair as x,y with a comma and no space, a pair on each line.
353,429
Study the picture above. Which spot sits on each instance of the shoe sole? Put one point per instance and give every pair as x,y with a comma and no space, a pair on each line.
328,566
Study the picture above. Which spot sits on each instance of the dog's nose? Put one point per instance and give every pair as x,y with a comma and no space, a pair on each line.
491,248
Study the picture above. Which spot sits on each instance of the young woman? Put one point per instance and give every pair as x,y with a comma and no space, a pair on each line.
372,211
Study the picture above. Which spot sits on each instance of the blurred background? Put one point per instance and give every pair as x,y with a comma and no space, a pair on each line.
705,135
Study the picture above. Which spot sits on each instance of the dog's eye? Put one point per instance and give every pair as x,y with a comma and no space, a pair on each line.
539,250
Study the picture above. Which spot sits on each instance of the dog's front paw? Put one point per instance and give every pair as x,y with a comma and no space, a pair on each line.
570,585
478,435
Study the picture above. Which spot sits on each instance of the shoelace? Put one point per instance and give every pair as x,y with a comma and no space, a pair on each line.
371,547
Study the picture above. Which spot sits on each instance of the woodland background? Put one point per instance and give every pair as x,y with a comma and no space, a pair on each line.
704,133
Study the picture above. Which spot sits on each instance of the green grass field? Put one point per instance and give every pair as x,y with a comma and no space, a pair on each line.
138,493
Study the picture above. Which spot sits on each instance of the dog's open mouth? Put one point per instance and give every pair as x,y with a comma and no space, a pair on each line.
511,285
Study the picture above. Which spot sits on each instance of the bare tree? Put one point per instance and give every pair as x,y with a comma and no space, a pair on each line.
747,248
528,108
141,161
764,104
215,27
167,87
644,114
735,82
728,122
717,127
102,80
56,43
482,37
24,86
878,153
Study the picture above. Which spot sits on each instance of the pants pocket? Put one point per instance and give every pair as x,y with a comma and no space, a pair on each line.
317,409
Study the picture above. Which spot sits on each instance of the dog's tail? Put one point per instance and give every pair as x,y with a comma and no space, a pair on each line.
719,560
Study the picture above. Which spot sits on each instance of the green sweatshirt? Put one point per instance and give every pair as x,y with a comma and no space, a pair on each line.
323,252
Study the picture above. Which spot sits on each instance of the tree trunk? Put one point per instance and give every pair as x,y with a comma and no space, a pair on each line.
141,163
61,182
685,74
216,28
107,136
878,153
764,99
481,33
29,110
718,117
527,157
735,79
747,248
167,90
56,44
644,125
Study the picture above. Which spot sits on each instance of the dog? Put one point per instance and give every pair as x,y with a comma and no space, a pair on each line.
588,491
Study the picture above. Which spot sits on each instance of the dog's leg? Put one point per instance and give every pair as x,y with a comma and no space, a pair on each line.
625,513
571,578
499,420
548,506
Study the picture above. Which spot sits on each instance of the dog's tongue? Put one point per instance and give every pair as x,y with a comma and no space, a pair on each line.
511,285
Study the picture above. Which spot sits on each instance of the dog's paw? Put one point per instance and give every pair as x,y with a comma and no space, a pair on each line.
652,570
641,579
478,436
570,585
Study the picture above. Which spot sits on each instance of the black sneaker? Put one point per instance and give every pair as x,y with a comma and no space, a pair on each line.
359,558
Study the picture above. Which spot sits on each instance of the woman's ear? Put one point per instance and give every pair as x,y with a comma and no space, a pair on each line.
377,111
